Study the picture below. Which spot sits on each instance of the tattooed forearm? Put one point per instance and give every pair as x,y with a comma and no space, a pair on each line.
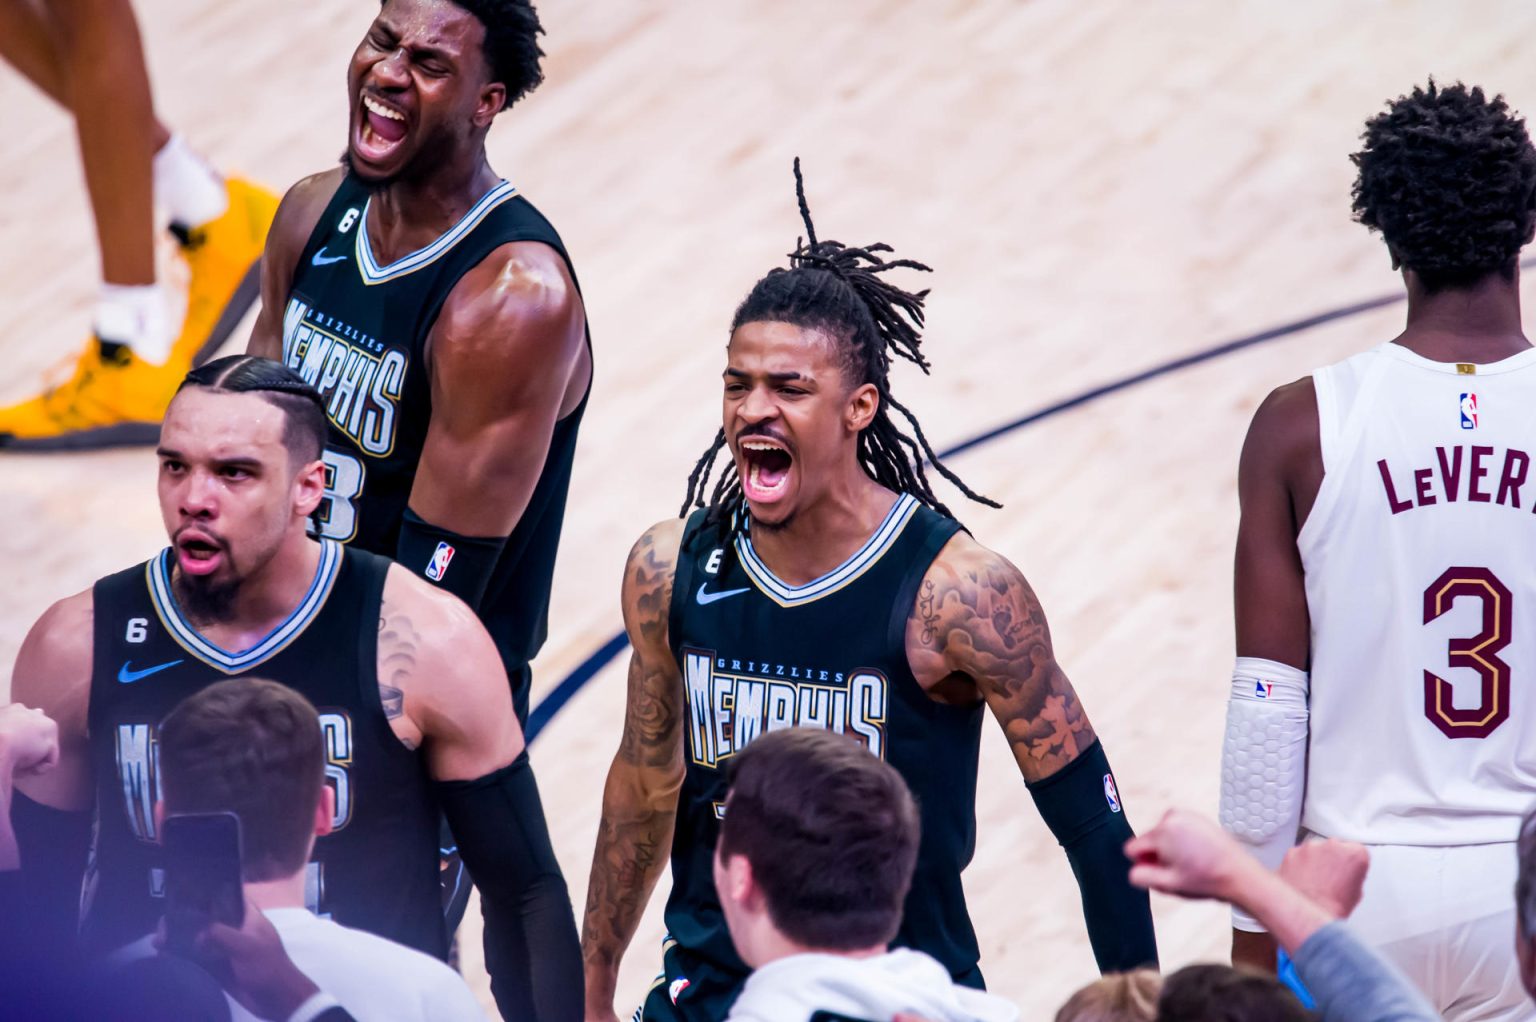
985,623
631,852
640,798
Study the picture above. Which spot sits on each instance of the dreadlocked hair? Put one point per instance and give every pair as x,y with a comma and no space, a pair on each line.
838,291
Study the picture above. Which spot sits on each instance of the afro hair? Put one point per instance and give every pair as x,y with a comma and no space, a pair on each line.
1449,179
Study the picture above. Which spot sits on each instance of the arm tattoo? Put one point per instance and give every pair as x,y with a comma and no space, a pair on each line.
398,640
640,800
987,624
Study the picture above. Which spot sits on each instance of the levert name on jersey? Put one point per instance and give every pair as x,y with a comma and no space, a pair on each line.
360,379
1459,472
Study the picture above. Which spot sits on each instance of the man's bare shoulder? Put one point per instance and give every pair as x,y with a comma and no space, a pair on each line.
1285,426
53,667
973,609
648,576
301,207
511,305
448,618
436,661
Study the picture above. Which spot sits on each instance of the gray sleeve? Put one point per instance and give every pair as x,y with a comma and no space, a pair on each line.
1352,983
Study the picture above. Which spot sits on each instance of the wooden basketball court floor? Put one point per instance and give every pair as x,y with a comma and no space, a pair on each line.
1100,188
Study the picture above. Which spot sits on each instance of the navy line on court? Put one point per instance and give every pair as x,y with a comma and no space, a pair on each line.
572,683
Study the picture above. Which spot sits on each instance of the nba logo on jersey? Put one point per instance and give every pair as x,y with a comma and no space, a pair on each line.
1262,689
1469,411
1111,794
676,987
439,565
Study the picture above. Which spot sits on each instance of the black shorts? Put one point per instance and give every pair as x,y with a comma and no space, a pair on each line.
689,989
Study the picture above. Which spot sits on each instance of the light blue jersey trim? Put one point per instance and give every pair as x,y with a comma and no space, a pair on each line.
874,548
159,577
373,273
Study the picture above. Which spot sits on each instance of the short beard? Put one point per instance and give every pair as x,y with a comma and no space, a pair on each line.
374,185
203,600
758,525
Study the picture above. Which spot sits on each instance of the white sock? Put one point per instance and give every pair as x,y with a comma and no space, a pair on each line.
135,315
191,191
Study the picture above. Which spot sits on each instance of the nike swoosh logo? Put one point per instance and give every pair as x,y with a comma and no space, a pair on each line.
320,259
126,675
707,598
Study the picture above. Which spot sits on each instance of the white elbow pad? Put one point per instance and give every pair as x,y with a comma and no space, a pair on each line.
1264,761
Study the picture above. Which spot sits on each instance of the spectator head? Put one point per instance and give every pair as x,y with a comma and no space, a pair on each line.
1119,997
1220,993
252,748
817,847
1525,903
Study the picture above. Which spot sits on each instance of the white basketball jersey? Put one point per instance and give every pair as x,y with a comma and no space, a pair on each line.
1420,559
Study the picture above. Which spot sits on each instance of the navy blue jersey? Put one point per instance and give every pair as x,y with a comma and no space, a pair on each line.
378,868
357,332
758,654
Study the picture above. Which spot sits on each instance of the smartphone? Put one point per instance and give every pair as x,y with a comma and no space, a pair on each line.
202,876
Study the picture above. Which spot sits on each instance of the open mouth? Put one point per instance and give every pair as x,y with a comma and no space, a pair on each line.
381,127
198,555
768,464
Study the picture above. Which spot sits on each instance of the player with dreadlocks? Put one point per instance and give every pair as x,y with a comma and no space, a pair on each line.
824,584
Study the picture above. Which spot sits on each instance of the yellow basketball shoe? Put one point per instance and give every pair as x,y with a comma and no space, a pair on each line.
225,259
110,399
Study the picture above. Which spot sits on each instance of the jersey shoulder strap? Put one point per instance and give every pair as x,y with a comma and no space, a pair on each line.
929,532
1342,390
696,535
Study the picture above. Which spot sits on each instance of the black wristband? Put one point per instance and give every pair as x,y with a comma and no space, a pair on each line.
460,564
53,845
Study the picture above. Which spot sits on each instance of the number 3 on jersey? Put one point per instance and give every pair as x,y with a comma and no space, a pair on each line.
1480,652
343,483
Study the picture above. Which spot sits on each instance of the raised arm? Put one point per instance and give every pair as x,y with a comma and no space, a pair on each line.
976,618
634,836
48,810
1278,477
507,359
443,687
296,218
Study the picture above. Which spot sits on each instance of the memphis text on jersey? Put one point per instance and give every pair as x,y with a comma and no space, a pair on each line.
138,768
358,377
733,701
1477,474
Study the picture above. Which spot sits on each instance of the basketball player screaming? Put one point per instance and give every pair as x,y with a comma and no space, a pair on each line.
823,584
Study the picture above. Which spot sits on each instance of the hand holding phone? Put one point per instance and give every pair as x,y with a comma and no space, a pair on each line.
202,877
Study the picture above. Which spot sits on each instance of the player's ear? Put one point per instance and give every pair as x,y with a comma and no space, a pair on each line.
863,403
325,811
493,99
309,487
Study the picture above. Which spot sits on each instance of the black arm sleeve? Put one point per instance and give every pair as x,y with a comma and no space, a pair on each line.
1082,806
46,893
460,564
531,948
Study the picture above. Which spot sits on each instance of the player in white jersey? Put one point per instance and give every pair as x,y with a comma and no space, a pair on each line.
1385,560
